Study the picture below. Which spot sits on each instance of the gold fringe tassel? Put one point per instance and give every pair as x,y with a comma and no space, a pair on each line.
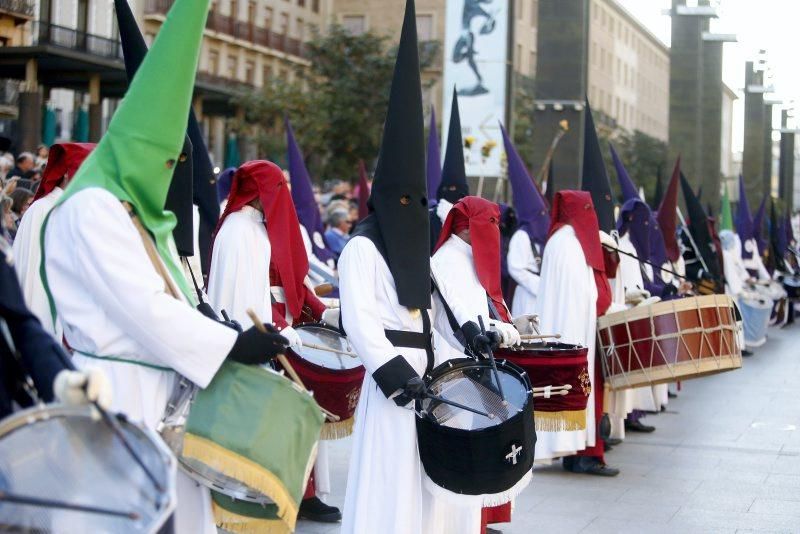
338,429
244,470
560,421
241,524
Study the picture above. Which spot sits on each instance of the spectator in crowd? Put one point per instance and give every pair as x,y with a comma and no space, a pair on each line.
339,231
6,164
21,200
24,166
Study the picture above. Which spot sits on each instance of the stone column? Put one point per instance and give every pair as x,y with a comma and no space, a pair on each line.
95,109
30,109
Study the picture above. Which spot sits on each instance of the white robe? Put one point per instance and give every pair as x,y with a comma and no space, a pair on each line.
566,305
239,274
453,269
385,492
525,270
112,302
27,259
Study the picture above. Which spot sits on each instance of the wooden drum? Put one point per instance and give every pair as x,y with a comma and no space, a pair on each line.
669,341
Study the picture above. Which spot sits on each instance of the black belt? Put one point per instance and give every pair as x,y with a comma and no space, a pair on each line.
415,340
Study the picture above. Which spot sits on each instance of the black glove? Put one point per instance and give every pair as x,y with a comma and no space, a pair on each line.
254,347
413,390
479,343
206,309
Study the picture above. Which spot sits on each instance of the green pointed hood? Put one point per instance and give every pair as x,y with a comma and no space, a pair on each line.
135,158
726,216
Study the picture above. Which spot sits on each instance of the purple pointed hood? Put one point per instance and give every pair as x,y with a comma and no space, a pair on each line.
224,181
636,219
529,205
744,221
627,186
434,161
303,198
787,227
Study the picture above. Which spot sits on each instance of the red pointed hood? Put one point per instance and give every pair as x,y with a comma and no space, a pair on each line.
265,181
666,216
64,160
482,218
575,208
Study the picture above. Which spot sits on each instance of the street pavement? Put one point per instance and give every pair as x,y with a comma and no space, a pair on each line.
725,458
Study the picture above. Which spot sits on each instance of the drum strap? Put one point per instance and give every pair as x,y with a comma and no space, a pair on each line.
415,340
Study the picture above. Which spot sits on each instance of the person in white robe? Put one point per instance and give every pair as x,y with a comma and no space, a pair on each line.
574,288
113,275
62,164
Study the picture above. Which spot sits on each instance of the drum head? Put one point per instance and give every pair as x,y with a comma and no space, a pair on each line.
474,384
61,454
326,336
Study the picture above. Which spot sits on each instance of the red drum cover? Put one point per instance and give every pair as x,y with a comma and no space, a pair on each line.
555,364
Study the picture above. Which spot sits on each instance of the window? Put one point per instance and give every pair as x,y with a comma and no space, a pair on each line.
301,29
268,18
354,24
213,62
233,67
249,71
315,6
301,3
251,12
425,28
283,24
234,8
266,74
532,64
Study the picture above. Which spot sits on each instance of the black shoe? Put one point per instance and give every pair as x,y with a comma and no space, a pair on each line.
638,426
587,465
613,441
314,509
671,395
746,353
490,530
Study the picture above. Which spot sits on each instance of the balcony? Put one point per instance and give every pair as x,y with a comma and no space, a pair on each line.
245,31
20,10
44,33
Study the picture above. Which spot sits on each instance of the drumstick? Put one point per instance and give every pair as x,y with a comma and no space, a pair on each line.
329,349
285,363
323,290
542,394
458,405
565,387
494,365
27,500
528,337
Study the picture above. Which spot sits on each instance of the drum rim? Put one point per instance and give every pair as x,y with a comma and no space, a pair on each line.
308,362
664,308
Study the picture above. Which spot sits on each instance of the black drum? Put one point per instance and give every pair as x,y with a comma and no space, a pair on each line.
792,286
467,454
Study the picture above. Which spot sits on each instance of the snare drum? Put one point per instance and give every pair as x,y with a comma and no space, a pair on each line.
560,377
251,434
668,341
468,458
61,453
335,378
791,284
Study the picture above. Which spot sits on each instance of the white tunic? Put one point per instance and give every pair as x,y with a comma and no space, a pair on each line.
566,305
384,484
112,302
28,256
525,270
239,275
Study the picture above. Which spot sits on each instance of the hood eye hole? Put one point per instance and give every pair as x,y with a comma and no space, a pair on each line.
182,158
405,200
170,163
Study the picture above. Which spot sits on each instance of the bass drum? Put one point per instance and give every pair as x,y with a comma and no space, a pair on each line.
472,459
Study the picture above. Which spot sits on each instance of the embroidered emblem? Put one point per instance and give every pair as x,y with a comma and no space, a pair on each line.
352,398
511,457
585,382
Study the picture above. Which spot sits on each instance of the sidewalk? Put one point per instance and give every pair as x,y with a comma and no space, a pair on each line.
725,458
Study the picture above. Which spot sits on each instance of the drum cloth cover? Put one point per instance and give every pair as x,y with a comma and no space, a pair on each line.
232,428
469,454
663,342
61,453
555,364
334,379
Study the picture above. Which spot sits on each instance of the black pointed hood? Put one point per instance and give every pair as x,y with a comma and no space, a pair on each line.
399,224
698,227
453,186
595,177
179,196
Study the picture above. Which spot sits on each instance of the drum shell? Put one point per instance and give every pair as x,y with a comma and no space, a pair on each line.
473,462
555,364
755,316
669,341
792,287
